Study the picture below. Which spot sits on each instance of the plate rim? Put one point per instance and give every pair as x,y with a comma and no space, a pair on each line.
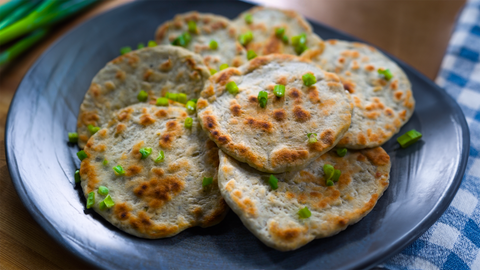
368,262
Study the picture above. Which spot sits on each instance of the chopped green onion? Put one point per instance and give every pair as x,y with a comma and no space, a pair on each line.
119,171
273,181
77,176
152,43
232,88
248,18
300,43
341,152
192,26
223,66
93,129
207,181
409,138
213,71
312,139
81,155
162,101
142,96
182,98
309,79
386,73
251,54
304,213
279,32
90,199
183,40
245,38
279,90
336,175
102,205
285,39
213,44
125,50
140,46
188,122
172,96
191,106
329,183
161,157
102,190
105,162
109,202
328,170
145,152
262,98
73,137
299,49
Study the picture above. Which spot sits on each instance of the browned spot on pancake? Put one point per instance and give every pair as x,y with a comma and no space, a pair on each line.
161,113
94,89
332,41
208,91
260,124
146,119
279,114
217,215
209,122
288,157
120,128
403,115
247,205
294,93
236,109
147,74
165,66
120,75
282,80
225,75
362,139
89,118
166,140
394,85
172,125
331,77
349,86
373,115
257,62
109,85
313,94
159,190
408,102
212,154
158,171
136,150
103,132
87,172
122,210
327,137
341,60
329,196
201,104
361,158
287,234
373,137
100,148
300,114
369,68
133,170
125,114
272,45
253,100
377,156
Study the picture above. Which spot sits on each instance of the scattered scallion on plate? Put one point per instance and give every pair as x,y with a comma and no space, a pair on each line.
409,138
118,170
279,90
73,137
273,182
309,79
142,96
90,200
103,190
145,152
207,181
262,98
77,176
82,155
312,137
304,213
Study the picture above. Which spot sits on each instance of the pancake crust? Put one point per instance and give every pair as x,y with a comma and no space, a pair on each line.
274,139
272,215
264,23
209,27
381,107
154,199
156,70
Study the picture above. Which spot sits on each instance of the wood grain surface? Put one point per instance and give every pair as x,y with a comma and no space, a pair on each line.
416,31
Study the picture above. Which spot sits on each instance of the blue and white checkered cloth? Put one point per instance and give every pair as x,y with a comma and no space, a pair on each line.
453,242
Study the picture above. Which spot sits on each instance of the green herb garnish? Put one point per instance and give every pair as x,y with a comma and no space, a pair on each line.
304,213
142,96
73,137
145,152
279,90
309,79
409,138
262,98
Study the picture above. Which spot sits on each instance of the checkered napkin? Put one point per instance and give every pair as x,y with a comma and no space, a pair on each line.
453,242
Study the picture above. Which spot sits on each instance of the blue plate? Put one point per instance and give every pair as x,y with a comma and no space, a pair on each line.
424,177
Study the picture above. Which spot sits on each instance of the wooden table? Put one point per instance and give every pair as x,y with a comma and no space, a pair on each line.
416,31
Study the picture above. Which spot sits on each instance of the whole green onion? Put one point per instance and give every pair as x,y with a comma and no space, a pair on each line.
73,137
90,199
262,98
18,13
145,152
207,181
273,182
21,46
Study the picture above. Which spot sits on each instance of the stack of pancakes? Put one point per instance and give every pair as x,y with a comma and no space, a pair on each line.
234,142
